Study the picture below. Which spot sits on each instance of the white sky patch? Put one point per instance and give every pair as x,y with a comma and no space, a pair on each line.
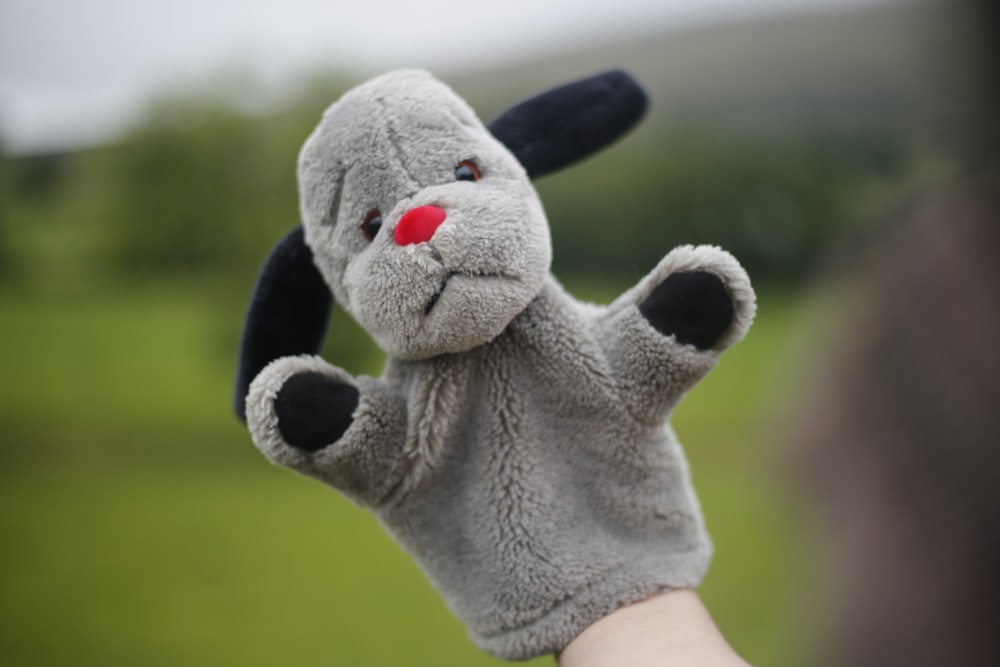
74,71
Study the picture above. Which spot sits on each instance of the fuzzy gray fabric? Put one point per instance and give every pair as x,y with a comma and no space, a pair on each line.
516,443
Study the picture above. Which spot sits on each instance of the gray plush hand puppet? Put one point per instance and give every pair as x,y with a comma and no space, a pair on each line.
516,443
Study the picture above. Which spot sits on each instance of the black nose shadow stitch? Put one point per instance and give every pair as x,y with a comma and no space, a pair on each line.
437,295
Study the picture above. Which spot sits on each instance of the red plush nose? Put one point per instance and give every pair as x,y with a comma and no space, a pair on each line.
418,225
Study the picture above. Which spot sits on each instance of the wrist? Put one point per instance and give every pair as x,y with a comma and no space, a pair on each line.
672,626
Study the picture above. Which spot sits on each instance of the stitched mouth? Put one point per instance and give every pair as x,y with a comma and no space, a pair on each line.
451,274
437,295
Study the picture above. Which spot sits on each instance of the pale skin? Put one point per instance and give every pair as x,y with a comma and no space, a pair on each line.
669,628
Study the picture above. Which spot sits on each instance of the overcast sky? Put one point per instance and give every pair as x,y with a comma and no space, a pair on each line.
73,71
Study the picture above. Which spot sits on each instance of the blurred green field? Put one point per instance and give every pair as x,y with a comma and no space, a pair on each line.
141,527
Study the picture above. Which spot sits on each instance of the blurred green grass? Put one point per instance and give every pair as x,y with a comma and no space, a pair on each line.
141,527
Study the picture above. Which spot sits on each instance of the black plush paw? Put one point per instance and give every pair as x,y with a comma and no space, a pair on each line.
314,410
693,306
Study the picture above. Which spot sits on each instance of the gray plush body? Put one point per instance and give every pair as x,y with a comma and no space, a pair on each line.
516,443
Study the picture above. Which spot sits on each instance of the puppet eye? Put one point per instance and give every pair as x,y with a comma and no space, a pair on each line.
371,225
467,171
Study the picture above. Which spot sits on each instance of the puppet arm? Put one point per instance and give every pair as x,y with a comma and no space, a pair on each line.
665,334
315,418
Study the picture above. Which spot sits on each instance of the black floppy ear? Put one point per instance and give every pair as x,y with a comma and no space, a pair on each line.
566,124
288,313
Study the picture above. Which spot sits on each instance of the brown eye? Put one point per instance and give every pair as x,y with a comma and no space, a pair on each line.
467,171
371,225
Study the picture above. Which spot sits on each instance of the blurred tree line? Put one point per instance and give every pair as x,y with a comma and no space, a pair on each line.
202,186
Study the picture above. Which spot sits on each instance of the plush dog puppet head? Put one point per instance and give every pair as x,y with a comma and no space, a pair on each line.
422,222
426,228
